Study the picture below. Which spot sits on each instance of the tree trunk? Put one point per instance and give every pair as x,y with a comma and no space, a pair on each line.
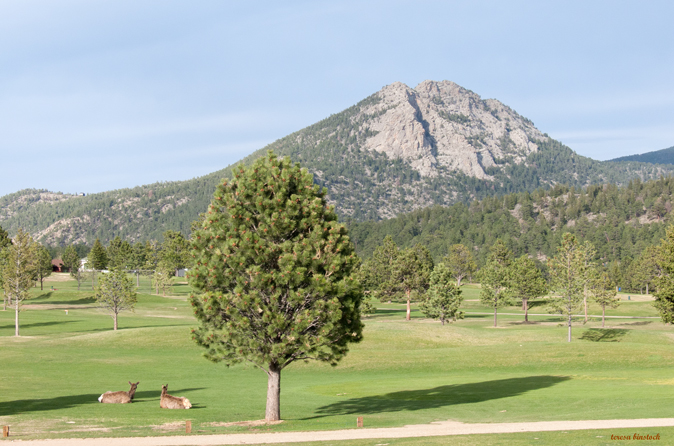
525,303
137,279
273,412
569,327
16,318
647,289
603,314
585,302
495,307
409,308
41,282
442,321
115,318
458,282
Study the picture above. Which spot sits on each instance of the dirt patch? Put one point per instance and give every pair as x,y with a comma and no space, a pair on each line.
243,423
169,427
59,277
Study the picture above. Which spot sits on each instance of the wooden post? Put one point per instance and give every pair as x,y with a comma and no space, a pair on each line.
359,422
5,431
188,427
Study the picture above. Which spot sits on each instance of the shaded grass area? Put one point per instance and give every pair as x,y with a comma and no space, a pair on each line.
442,396
402,373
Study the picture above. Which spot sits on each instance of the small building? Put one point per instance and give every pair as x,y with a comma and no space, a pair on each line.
57,266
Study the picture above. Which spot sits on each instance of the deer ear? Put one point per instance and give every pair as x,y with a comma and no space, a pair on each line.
130,383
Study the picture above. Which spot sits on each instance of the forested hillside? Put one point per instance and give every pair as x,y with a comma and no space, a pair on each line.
619,221
397,151
664,156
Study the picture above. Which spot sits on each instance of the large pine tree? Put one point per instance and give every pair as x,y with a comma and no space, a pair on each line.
664,291
273,266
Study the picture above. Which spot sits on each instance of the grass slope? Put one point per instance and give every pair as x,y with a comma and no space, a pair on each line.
402,373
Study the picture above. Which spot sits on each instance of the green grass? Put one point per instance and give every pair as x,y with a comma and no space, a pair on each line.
600,437
402,373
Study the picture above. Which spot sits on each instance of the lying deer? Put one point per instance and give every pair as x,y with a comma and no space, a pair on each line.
119,397
173,402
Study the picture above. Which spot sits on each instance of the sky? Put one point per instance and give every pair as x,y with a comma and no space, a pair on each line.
98,95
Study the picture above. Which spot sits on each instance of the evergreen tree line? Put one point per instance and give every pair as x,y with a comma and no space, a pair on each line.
620,222
574,279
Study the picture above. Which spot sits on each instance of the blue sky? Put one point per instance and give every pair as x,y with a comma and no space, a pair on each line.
98,95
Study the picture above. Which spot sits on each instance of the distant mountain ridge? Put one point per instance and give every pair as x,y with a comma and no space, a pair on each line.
664,156
399,150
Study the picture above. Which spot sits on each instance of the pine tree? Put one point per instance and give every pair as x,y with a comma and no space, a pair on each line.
115,293
664,285
72,261
526,282
174,251
5,242
274,267
460,262
410,272
648,268
567,274
119,254
162,279
443,299
602,290
376,271
18,271
495,278
43,266
98,257
589,272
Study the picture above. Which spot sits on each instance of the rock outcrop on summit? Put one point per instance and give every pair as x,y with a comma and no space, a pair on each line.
442,125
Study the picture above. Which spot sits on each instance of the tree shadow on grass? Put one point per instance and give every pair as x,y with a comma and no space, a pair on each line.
36,324
537,304
381,312
604,334
439,396
638,323
17,407
46,301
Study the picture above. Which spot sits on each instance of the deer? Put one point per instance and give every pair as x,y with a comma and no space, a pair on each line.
119,397
173,402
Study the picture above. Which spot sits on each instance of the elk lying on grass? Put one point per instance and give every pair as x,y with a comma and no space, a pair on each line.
119,397
173,402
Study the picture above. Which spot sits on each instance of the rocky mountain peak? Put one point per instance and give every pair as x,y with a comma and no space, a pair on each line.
441,125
